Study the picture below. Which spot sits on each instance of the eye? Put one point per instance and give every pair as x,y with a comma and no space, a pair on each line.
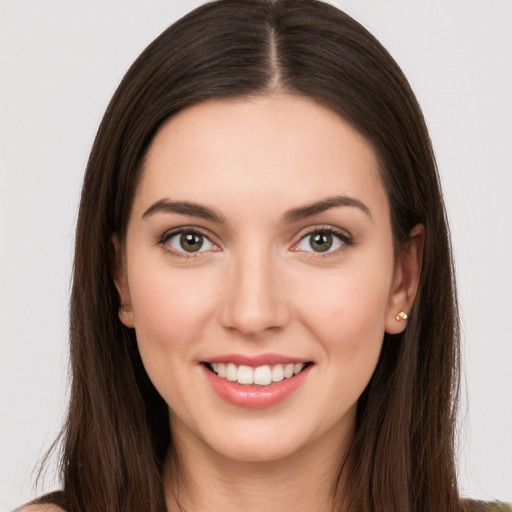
188,241
322,241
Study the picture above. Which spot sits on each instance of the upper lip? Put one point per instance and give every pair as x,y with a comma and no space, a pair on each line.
256,360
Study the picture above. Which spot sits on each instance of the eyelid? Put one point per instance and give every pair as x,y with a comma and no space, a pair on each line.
164,238
343,235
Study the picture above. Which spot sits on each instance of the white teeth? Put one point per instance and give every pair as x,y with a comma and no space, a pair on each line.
245,375
297,368
261,375
231,372
277,373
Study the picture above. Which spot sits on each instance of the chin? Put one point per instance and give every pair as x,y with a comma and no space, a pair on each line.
255,452
254,441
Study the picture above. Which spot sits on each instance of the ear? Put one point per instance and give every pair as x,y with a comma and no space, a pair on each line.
405,281
121,282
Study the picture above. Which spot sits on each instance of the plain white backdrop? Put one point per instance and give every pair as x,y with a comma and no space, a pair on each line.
60,62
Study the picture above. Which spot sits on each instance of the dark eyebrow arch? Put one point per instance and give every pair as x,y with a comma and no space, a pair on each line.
184,208
308,210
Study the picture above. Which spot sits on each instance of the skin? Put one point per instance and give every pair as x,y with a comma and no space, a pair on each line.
257,286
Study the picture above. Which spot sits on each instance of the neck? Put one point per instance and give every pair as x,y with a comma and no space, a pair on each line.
208,481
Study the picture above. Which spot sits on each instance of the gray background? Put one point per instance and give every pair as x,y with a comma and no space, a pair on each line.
60,62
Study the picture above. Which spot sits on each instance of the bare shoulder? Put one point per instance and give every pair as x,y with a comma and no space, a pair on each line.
40,507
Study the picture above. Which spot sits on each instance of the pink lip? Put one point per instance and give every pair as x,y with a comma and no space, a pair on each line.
255,361
255,397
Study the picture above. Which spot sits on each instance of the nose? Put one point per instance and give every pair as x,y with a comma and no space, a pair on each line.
253,300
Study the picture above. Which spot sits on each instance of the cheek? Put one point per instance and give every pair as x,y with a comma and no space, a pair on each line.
171,310
170,307
347,307
346,313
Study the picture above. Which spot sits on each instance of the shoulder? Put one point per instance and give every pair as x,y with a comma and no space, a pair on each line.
485,506
53,502
39,507
498,506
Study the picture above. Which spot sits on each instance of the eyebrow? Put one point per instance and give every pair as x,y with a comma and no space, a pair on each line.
317,207
184,208
293,215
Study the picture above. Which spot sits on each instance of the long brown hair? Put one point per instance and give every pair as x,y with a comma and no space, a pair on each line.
117,431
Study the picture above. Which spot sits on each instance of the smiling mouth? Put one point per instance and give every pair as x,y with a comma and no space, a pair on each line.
260,376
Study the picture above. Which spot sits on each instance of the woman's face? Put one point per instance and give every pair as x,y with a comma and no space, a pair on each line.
258,272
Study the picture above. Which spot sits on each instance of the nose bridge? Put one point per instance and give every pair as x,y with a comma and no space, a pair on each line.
253,302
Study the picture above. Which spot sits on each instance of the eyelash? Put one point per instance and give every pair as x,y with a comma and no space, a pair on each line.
343,237
164,239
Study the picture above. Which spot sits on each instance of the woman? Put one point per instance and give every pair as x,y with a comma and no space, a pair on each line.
263,309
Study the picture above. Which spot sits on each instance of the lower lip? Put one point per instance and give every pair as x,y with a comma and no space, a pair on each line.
255,397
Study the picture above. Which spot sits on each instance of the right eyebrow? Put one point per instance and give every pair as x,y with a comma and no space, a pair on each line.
183,208
302,212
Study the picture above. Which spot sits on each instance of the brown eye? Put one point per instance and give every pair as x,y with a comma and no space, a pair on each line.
323,241
320,242
188,242
191,242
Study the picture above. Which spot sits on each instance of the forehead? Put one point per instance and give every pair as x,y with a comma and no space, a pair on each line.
284,147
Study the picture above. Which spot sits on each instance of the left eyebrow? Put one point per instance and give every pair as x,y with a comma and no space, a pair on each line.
317,207
183,208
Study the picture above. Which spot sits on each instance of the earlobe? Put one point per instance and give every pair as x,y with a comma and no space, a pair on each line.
405,281
121,282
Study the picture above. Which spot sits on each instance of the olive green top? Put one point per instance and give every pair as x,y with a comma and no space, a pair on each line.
498,506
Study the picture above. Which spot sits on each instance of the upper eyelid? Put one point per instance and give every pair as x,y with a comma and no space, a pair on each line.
319,228
169,233
343,235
